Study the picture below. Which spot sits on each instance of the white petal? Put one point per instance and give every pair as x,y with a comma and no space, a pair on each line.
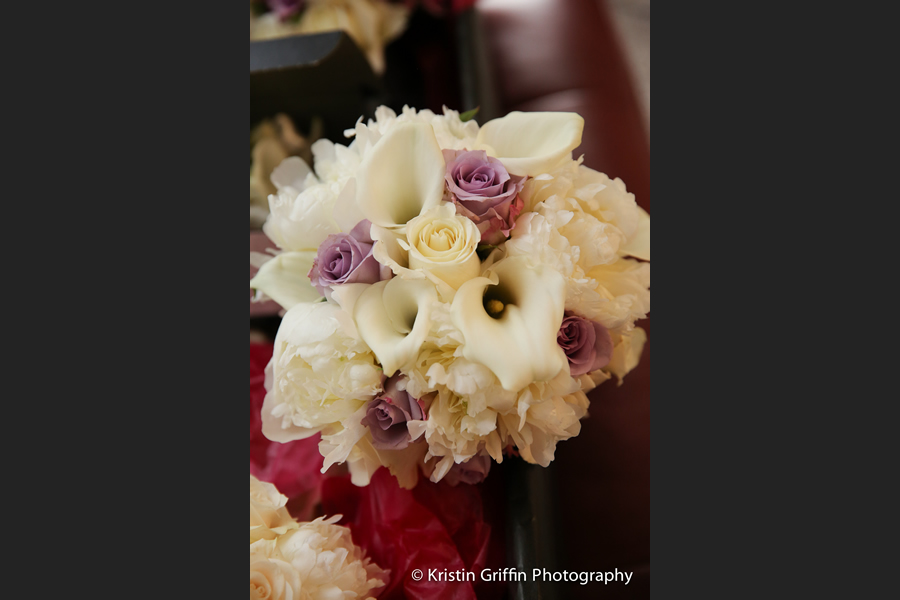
346,212
401,176
301,222
639,244
520,347
531,143
284,280
292,172
393,319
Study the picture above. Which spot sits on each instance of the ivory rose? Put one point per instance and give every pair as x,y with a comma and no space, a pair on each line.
268,515
444,245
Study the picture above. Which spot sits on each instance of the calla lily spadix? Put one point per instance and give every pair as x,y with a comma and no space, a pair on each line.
510,319
531,143
401,177
393,318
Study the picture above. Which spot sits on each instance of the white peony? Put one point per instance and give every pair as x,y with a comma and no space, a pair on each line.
319,374
315,561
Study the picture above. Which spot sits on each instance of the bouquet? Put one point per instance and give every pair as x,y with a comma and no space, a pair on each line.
452,293
315,560
371,23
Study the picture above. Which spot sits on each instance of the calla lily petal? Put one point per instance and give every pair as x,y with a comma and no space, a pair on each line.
531,143
393,318
284,280
401,176
639,244
518,341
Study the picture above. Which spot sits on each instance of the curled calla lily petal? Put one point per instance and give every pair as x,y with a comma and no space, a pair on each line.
639,244
402,176
510,319
284,280
531,143
393,318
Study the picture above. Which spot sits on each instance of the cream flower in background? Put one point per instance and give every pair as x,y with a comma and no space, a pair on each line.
329,563
272,577
295,561
319,374
268,515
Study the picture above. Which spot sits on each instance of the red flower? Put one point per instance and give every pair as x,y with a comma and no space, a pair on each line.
434,526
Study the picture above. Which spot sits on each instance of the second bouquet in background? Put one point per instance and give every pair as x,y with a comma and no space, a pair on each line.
452,293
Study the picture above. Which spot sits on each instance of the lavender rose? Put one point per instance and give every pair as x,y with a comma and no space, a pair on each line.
346,258
484,191
387,415
587,344
472,471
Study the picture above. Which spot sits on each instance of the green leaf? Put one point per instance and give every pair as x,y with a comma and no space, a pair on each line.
469,114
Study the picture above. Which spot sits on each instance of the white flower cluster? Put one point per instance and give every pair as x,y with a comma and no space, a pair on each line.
433,345
303,561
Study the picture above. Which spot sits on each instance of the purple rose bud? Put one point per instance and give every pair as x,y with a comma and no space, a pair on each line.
587,344
346,258
485,192
472,471
387,415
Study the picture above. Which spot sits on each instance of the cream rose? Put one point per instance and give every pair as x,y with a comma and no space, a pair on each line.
444,244
268,516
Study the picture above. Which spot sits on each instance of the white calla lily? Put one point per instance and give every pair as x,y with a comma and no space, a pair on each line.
531,143
284,280
510,319
393,318
402,176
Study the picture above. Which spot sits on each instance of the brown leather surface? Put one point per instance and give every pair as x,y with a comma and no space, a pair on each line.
563,55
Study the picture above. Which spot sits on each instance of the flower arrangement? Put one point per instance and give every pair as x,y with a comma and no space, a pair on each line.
452,293
371,23
315,560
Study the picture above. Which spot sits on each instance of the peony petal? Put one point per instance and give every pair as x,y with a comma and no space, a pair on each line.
627,353
531,143
520,347
393,318
284,280
639,244
402,176
292,172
